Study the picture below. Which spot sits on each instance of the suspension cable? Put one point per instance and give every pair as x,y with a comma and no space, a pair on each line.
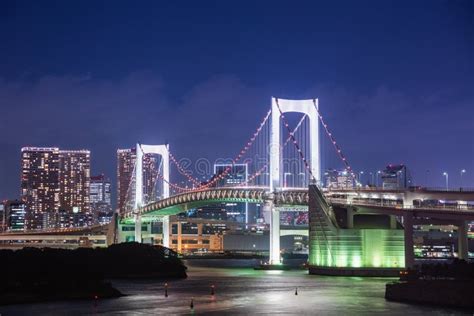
256,174
235,160
335,144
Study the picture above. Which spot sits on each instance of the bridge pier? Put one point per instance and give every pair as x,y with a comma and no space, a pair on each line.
350,217
463,248
274,257
408,200
166,231
393,222
408,232
180,237
138,228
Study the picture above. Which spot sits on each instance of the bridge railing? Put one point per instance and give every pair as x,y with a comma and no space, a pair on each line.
364,189
398,205
411,189
440,189
52,230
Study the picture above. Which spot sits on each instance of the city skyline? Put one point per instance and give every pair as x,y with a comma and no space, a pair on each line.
370,177
411,106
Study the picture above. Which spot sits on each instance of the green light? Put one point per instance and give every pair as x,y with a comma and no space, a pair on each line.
376,261
356,262
341,260
357,248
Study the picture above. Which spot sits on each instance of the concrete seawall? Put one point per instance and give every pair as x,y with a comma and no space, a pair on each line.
451,293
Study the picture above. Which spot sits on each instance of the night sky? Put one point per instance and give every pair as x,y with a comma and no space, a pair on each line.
394,78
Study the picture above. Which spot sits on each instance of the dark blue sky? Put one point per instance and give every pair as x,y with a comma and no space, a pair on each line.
394,78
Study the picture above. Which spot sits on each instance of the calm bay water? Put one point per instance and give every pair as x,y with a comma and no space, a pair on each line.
240,291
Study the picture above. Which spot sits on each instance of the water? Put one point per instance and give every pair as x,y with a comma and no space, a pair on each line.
240,291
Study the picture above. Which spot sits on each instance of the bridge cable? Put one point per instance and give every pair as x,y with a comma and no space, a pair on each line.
235,160
266,165
335,144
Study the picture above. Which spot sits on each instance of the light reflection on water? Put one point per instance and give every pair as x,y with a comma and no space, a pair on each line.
240,291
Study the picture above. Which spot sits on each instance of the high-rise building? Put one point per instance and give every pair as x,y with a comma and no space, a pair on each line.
14,215
67,219
53,180
125,167
100,199
235,174
39,183
151,169
3,221
338,179
74,175
126,159
395,177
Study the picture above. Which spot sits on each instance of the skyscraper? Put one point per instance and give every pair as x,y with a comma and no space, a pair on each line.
151,168
235,174
395,177
338,179
3,220
126,159
74,175
39,183
125,167
14,216
100,199
53,180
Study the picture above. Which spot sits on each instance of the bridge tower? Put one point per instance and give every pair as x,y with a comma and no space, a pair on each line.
161,150
279,107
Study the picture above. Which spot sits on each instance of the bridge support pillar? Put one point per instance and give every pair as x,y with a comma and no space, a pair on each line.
112,230
408,200
463,248
138,228
274,257
199,227
350,217
393,222
180,237
166,231
408,229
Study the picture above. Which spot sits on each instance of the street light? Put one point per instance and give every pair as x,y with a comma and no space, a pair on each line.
303,177
264,175
377,178
285,175
463,171
447,183
360,176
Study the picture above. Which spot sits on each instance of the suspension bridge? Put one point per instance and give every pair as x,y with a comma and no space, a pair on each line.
287,144
275,151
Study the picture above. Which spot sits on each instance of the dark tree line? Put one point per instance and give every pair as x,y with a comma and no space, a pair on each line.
34,266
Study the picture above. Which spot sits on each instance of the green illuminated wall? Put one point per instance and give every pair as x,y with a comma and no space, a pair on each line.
357,248
331,246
